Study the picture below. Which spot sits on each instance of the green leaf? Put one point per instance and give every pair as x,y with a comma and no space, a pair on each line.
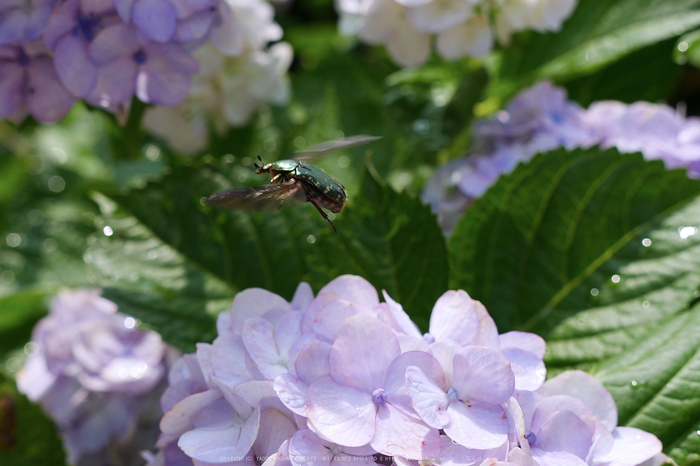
391,239
27,436
155,283
620,80
600,253
394,241
20,312
598,33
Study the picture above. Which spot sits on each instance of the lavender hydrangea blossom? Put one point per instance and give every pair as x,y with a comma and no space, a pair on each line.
541,119
29,84
94,372
23,21
342,377
106,51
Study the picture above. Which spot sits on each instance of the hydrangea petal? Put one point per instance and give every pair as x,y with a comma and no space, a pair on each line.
398,434
287,331
60,23
259,340
342,414
551,405
179,419
12,81
303,296
113,42
123,8
473,38
557,458
444,352
73,65
312,362
483,374
362,353
254,302
429,400
564,431
12,27
408,47
254,391
487,334
529,370
194,27
228,37
529,342
454,317
306,449
397,318
477,425
351,288
157,84
277,428
396,385
115,83
292,392
631,446
228,360
155,18
211,445
439,15
587,388
328,321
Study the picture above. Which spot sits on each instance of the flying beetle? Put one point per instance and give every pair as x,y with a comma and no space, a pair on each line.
293,181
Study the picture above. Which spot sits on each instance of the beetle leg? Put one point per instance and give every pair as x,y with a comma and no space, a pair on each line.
320,210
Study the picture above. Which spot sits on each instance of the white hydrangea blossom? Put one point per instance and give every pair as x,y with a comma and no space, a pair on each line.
238,73
461,27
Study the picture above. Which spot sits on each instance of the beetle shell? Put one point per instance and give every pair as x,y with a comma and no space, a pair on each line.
301,171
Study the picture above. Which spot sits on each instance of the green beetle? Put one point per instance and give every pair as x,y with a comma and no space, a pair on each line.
292,180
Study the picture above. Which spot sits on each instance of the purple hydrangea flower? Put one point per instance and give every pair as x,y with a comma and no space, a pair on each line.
23,21
343,377
541,119
94,372
577,403
29,84
157,73
69,34
166,20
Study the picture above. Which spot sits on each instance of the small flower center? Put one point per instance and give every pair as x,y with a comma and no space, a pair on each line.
452,394
336,450
140,57
22,58
379,396
531,438
87,26
428,338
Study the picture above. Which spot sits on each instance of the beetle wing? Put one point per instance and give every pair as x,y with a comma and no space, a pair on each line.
322,148
269,197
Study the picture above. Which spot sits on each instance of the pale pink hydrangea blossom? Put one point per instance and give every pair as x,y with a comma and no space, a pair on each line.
345,378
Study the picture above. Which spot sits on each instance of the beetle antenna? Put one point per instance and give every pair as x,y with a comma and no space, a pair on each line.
259,167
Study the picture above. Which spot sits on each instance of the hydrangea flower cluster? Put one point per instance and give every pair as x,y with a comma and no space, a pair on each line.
226,92
106,51
461,27
343,377
95,372
541,119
